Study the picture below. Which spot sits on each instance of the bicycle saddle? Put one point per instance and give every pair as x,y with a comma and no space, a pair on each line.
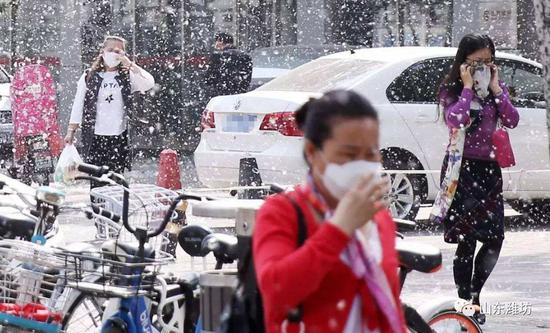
223,246
404,225
190,239
188,282
14,224
417,256
122,251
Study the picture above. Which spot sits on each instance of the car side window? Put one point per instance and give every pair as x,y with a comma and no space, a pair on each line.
524,82
419,82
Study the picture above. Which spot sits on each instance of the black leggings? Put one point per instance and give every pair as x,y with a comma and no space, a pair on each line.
469,286
111,151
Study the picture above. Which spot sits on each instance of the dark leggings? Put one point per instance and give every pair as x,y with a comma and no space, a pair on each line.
470,286
111,151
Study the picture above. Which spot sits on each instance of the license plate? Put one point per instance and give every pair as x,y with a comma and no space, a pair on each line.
43,163
40,145
241,123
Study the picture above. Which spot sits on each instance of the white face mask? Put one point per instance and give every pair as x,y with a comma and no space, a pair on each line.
340,178
111,59
482,78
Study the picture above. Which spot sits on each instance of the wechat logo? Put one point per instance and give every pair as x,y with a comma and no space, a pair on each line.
465,307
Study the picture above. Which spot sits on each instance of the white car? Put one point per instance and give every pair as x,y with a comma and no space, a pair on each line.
401,83
6,126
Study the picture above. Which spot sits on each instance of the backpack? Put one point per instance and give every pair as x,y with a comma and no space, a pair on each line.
244,313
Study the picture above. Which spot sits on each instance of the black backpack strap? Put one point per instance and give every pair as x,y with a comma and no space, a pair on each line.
302,227
302,235
254,306
295,315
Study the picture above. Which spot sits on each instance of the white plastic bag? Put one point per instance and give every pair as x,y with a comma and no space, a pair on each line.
65,170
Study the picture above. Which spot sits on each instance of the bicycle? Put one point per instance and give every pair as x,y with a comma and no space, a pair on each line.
168,308
32,290
443,315
29,214
32,294
133,294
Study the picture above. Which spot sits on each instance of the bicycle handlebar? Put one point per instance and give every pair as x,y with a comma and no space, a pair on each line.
96,179
276,188
119,179
96,172
93,170
105,213
404,225
171,210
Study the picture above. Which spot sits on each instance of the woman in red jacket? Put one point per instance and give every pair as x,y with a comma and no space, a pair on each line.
344,277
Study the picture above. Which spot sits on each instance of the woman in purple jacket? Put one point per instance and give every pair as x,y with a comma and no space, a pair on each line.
473,98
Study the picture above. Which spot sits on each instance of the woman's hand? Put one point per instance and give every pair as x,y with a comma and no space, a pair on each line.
494,85
124,60
361,203
127,64
466,76
69,138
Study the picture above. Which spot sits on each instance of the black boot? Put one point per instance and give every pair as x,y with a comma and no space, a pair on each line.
479,316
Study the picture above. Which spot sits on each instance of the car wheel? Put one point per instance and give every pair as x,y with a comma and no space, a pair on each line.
406,192
536,210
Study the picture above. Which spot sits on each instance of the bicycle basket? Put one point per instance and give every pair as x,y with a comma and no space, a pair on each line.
32,286
148,206
116,273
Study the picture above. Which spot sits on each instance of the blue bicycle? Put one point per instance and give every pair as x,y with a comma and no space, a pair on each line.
139,297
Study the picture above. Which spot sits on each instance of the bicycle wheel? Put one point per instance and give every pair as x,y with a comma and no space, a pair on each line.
453,322
84,315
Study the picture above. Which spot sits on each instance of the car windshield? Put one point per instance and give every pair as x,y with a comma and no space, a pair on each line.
3,77
323,74
288,59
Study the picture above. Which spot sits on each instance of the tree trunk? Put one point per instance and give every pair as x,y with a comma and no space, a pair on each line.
542,20
14,5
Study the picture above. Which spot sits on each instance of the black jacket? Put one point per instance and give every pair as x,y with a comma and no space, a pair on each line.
229,72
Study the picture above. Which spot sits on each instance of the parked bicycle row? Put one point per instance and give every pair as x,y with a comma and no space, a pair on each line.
119,281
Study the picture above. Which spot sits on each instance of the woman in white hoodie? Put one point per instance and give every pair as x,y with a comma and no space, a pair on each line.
103,106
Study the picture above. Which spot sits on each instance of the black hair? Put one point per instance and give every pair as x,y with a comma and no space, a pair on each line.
469,44
317,116
224,38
